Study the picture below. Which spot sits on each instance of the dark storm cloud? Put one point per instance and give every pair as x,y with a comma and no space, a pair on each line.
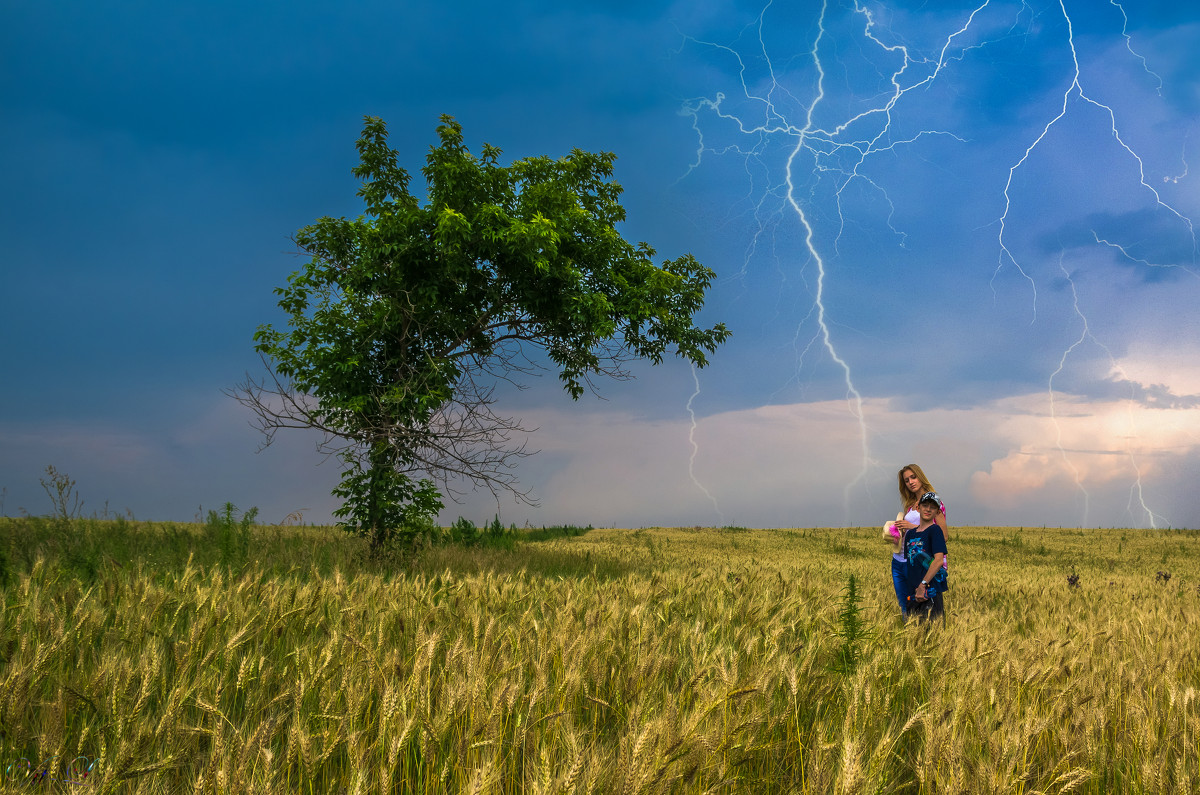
1153,242
1154,396
228,74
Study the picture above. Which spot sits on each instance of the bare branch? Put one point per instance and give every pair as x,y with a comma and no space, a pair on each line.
465,439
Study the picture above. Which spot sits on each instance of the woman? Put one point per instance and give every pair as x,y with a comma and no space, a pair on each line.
913,484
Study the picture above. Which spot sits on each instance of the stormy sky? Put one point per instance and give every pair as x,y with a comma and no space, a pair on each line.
952,234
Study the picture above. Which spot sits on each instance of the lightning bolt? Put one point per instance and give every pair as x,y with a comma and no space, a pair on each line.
1138,260
696,450
1085,334
1133,52
1076,88
823,148
1135,489
853,396
1174,180
839,151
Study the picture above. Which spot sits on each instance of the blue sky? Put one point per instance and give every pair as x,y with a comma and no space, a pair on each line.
961,235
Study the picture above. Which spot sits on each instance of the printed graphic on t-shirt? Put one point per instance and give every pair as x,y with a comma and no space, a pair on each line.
920,558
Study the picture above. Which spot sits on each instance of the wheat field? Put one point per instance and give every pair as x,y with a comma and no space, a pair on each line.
616,661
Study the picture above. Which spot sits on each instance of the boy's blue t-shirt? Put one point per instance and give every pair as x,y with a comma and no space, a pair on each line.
919,548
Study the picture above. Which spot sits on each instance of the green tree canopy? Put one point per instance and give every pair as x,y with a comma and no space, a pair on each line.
406,317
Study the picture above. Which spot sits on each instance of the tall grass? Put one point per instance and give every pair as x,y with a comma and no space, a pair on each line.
611,661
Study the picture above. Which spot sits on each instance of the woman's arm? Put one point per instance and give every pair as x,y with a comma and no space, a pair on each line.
942,523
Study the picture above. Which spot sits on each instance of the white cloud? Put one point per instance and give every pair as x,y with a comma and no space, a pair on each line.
1009,462
1176,366
1005,463
1095,451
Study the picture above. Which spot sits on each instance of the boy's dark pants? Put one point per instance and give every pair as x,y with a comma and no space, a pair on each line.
928,609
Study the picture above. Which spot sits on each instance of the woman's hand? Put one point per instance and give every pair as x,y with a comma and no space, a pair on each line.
904,524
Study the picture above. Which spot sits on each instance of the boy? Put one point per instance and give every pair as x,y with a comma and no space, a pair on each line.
925,548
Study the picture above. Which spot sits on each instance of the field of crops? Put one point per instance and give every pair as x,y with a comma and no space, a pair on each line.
138,657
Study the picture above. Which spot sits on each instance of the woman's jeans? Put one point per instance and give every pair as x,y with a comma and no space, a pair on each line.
898,583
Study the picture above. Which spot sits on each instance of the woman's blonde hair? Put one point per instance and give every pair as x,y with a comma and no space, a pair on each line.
907,498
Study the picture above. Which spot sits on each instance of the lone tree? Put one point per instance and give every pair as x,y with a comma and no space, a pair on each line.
405,318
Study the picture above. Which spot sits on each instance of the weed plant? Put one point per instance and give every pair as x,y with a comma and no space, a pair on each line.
230,535
667,660
851,628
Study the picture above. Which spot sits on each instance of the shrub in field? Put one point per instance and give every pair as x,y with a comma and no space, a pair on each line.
498,536
73,537
229,534
81,549
464,531
494,535
556,531
63,494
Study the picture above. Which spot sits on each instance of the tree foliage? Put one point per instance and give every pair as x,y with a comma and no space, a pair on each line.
405,318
